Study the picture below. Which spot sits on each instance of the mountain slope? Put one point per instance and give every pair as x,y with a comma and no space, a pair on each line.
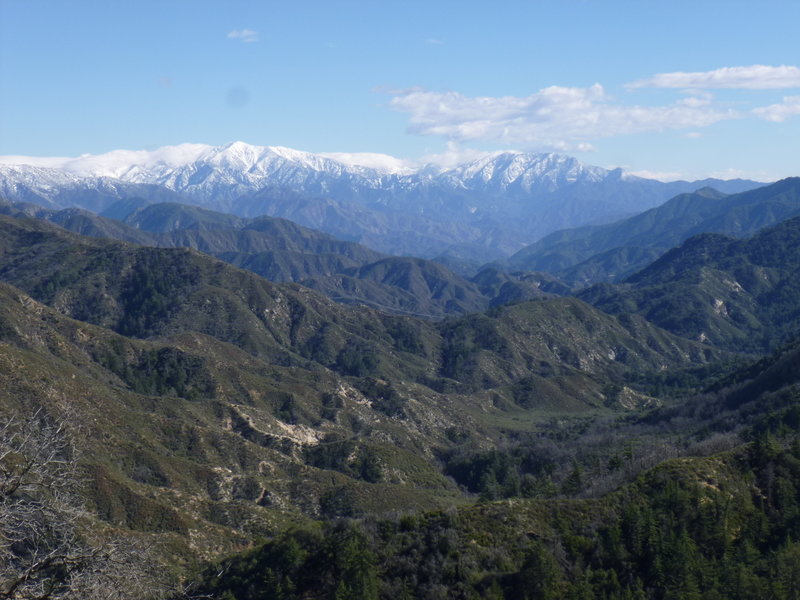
606,252
719,524
398,231
144,292
190,433
409,286
347,272
282,251
54,188
683,529
739,294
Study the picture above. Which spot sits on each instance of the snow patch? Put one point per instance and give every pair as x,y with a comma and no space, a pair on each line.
371,160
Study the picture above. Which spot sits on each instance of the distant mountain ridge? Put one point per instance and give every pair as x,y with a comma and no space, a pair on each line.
348,272
283,251
482,209
739,294
593,254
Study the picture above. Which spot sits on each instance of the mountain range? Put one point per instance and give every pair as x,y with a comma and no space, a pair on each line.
283,251
482,210
194,379
234,384
633,441
347,272
216,407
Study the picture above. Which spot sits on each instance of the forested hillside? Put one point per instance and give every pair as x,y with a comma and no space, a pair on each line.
542,448
738,294
610,252
282,251
721,527
719,522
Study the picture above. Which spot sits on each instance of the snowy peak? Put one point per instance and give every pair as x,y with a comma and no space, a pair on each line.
236,155
526,171
245,157
220,176
153,166
480,210
116,163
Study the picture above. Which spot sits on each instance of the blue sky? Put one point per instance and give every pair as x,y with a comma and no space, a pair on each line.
677,89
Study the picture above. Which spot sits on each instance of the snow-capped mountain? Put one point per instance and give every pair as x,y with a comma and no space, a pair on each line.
205,172
509,198
525,171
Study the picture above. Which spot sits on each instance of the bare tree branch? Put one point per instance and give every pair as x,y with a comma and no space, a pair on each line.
51,548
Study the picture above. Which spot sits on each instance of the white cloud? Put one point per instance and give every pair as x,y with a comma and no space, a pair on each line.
372,160
245,35
779,112
117,162
755,77
454,155
697,99
558,118
732,173
660,175
692,135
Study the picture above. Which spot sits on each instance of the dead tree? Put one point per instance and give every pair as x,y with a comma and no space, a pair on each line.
51,548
